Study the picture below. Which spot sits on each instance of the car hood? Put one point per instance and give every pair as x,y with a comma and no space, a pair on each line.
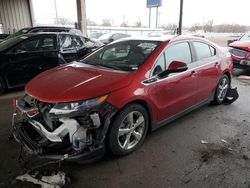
244,45
75,82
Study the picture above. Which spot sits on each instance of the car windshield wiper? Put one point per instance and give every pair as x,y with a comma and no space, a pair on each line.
102,65
107,66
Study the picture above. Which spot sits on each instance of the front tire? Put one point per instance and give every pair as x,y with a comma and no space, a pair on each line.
222,90
128,129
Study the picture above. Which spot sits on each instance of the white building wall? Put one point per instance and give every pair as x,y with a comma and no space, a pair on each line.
14,15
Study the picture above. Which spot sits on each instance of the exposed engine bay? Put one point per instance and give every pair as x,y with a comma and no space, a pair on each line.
54,130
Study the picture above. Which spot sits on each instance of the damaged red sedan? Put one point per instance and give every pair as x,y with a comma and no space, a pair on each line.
116,94
241,52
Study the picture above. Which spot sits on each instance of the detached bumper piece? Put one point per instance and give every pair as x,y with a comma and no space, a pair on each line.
76,137
22,137
232,96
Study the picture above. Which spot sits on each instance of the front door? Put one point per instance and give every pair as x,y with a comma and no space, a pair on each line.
176,92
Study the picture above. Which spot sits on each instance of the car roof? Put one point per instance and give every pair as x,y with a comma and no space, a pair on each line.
167,38
145,38
193,38
49,33
51,27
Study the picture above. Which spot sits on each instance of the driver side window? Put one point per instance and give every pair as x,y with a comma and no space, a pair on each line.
177,52
160,65
28,45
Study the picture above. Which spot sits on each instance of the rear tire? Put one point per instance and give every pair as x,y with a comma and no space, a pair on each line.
222,90
2,85
128,129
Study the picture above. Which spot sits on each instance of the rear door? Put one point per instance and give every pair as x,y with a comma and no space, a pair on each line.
208,69
31,57
177,92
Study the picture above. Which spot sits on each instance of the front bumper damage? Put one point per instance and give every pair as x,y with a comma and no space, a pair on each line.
75,136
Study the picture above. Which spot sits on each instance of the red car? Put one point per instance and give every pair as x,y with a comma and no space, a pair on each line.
241,52
116,94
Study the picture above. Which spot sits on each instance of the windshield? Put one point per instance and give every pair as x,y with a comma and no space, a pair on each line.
11,42
124,55
245,37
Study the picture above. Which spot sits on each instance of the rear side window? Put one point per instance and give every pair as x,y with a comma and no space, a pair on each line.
29,45
178,52
203,50
66,42
72,43
69,44
78,43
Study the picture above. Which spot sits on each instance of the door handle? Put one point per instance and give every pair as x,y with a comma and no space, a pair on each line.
194,73
216,64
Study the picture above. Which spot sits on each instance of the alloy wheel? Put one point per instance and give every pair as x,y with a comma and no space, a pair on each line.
223,88
131,130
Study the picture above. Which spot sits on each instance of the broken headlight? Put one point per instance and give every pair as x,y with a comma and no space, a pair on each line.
66,108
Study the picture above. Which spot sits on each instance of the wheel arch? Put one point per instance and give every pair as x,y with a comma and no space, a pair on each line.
228,74
145,105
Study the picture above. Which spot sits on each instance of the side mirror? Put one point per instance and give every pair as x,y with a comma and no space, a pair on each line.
174,67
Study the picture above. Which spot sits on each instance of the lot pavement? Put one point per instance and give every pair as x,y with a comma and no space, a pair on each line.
172,156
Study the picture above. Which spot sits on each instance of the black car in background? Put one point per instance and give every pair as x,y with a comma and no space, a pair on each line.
25,56
46,29
3,36
107,38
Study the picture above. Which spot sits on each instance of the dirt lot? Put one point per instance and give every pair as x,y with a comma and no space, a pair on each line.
172,156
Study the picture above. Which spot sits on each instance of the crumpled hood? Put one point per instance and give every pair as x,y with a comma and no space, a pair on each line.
75,82
244,45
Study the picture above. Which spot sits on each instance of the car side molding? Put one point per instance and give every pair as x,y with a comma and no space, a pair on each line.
180,114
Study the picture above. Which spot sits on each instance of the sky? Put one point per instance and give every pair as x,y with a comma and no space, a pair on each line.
195,11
